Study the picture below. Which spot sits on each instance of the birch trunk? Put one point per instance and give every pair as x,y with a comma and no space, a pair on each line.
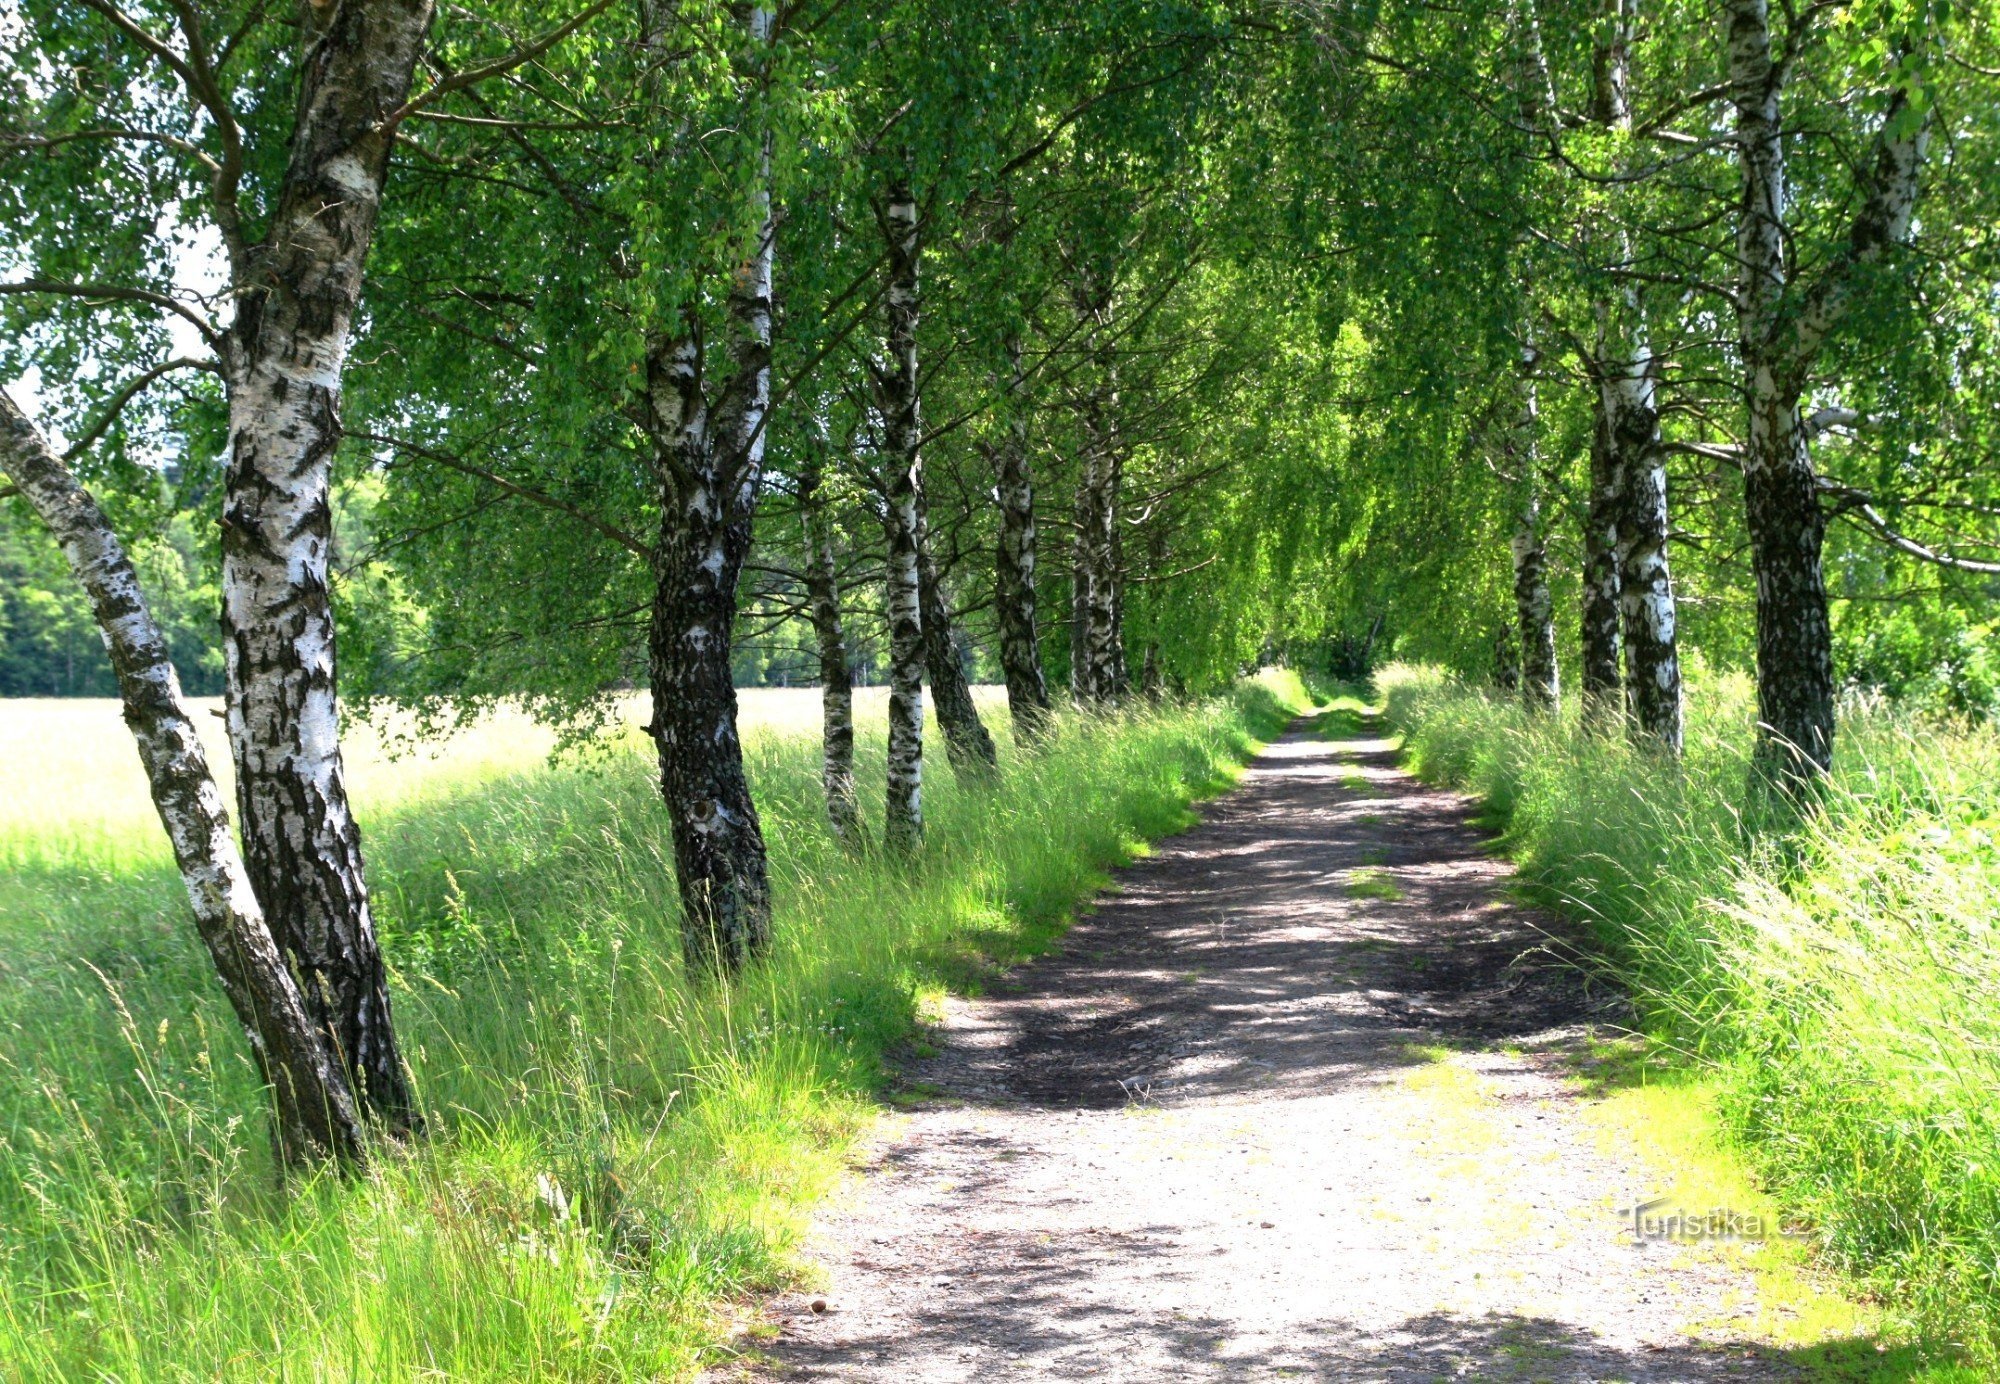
1507,658
966,741
314,1114
708,455
1645,584
1627,377
1534,609
1111,628
1781,334
1083,682
283,359
1014,567
1103,596
1099,595
836,680
896,387
1603,692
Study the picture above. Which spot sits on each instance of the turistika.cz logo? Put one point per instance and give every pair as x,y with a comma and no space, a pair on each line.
1647,1223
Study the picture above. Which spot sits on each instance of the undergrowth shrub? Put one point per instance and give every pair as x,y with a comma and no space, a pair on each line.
1844,983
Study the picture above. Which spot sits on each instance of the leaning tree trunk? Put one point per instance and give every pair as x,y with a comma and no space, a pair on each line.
1534,609
283,358
896,386
966,741
1603,695
312,1103
836,680
709,459
1780,335
1014,568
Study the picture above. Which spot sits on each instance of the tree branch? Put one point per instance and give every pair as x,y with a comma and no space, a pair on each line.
519,492
1871,520
458,81
10,140
118,293
127,394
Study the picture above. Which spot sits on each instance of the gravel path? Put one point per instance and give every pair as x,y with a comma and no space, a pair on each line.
1289,1104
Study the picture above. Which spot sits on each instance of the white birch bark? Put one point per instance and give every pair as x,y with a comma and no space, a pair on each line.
1645,583
836,680
1534,608
1627,380
1603,682
1014,564
896,386
1100,596
708,456
1083,681
1781,330
296,293
313,1105
968,745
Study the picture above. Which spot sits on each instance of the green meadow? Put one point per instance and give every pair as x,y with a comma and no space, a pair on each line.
615,1155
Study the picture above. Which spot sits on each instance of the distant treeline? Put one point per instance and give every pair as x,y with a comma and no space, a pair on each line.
49,644
50,647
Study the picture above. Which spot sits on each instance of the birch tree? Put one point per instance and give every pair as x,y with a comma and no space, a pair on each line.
705,414
292,231
629,310
836,679
1097,647
1627,523
1534,608
1602,679
896,395
1782,326
898,386
313,1108
1016,553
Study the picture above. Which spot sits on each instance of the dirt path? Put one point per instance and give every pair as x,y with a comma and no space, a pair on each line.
1219,1135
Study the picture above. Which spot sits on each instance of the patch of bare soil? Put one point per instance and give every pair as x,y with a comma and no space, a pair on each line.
1214,1136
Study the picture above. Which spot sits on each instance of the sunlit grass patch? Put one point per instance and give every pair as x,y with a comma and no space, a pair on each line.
1840,988
614,1152
1667,1124
1373,884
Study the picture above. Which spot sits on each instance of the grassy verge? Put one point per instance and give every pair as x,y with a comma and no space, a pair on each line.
614,1154
1841,995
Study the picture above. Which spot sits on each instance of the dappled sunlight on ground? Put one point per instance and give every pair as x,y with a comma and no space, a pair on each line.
1257,1120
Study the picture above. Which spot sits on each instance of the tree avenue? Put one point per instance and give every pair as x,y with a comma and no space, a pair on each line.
546,353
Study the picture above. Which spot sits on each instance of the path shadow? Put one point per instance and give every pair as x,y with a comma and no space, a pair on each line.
1051,1332
1313,927
1320,928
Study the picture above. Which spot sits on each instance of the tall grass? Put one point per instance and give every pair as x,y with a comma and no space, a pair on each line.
613,1152
1844,983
